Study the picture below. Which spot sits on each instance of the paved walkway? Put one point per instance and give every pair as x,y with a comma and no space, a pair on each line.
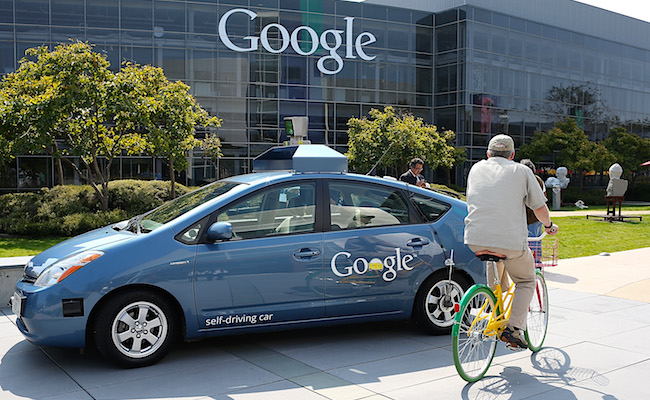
596,348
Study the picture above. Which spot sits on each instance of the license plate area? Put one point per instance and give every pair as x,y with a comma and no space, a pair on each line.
17,304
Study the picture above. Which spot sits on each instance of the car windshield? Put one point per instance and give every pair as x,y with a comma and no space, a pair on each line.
177,207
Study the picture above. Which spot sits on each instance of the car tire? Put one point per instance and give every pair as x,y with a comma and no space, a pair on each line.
135,329
434,303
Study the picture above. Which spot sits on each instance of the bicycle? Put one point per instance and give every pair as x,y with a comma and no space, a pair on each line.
483,314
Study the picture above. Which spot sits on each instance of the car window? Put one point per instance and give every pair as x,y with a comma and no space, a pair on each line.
358,206
179,206
279,210
430,208
191,234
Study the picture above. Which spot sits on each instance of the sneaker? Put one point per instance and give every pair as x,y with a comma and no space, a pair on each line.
514,339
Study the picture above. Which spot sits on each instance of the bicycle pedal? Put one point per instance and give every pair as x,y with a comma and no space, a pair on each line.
513,347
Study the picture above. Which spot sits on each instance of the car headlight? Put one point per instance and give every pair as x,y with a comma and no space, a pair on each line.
63,268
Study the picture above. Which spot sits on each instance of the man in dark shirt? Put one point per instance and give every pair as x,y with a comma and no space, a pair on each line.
412,176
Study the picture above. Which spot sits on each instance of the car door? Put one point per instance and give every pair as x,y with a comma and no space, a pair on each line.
374,252
271,270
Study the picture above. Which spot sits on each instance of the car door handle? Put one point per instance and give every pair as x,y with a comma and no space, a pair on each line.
418,242
306,253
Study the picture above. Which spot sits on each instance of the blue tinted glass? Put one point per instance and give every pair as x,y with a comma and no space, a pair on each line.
170,16
482,16
6,11
290,5
348,9
102,13
202,18
68,12
373,12
137,14
6,32
6,57
33,12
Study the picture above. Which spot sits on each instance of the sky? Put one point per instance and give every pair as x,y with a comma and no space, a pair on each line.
639,9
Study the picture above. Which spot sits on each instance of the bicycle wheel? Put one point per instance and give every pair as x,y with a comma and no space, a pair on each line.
473,350
537,319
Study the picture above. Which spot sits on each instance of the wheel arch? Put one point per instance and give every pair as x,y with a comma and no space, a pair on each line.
177,309
441,273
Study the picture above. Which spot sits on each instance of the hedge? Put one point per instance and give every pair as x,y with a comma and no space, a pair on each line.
71,210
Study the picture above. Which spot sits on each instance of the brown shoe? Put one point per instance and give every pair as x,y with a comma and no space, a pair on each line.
514,339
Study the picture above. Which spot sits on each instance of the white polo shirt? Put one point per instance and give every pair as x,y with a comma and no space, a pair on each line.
498,191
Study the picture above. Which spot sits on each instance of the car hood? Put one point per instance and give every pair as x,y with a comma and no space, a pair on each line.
95,239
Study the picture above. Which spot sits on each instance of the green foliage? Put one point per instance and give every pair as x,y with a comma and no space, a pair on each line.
168,114
570,147
136,197
71,210
69,95
629,150
407,137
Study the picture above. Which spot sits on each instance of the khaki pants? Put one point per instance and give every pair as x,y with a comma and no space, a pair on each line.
520,265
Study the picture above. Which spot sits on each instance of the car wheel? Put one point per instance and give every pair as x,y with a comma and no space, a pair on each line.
434,307
135,329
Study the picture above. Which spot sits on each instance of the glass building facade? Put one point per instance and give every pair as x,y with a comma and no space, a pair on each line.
454,63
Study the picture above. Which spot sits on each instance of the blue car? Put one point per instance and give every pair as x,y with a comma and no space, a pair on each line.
300,242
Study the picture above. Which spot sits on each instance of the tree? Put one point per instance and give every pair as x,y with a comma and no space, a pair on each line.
68,103
405,135
570,147
63,104
629,150
579,101
172,116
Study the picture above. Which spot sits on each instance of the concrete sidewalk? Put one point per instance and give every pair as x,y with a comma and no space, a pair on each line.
623,274
596,348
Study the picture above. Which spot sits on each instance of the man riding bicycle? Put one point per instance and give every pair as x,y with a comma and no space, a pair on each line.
498,192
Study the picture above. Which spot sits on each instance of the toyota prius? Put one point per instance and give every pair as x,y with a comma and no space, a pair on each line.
299,242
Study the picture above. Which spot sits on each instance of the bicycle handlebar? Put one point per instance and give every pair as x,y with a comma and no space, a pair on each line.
538,238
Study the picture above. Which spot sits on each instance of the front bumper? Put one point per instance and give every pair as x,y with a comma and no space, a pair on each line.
42,319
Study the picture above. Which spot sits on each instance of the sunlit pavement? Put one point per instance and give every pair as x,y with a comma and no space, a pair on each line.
597,347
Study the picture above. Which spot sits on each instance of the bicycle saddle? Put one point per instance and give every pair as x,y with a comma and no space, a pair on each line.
486,255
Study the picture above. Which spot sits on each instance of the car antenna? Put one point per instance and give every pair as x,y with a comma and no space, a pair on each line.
380,158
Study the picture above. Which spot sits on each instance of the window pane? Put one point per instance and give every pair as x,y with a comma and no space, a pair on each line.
431,209
280,210
102,13
361,206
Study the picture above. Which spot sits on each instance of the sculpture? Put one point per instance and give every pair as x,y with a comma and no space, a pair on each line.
616,186
561,180
557,184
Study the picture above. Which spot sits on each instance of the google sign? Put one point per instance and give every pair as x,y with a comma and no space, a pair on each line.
330,40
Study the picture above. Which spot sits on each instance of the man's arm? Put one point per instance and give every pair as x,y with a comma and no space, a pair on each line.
544,217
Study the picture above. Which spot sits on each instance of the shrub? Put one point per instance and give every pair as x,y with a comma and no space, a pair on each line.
591,196
71,210
638,192
136,197
75,224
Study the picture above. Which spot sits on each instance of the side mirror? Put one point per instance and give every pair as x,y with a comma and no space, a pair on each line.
220,231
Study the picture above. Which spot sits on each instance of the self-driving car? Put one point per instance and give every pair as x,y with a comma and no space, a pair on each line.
299,242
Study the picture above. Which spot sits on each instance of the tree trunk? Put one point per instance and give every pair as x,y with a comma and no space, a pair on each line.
172,178
59,164
59,168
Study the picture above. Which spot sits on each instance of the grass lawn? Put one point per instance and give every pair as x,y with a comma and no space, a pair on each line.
18,246
580,236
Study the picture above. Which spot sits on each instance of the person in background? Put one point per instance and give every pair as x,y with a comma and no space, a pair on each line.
413,176
535,228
